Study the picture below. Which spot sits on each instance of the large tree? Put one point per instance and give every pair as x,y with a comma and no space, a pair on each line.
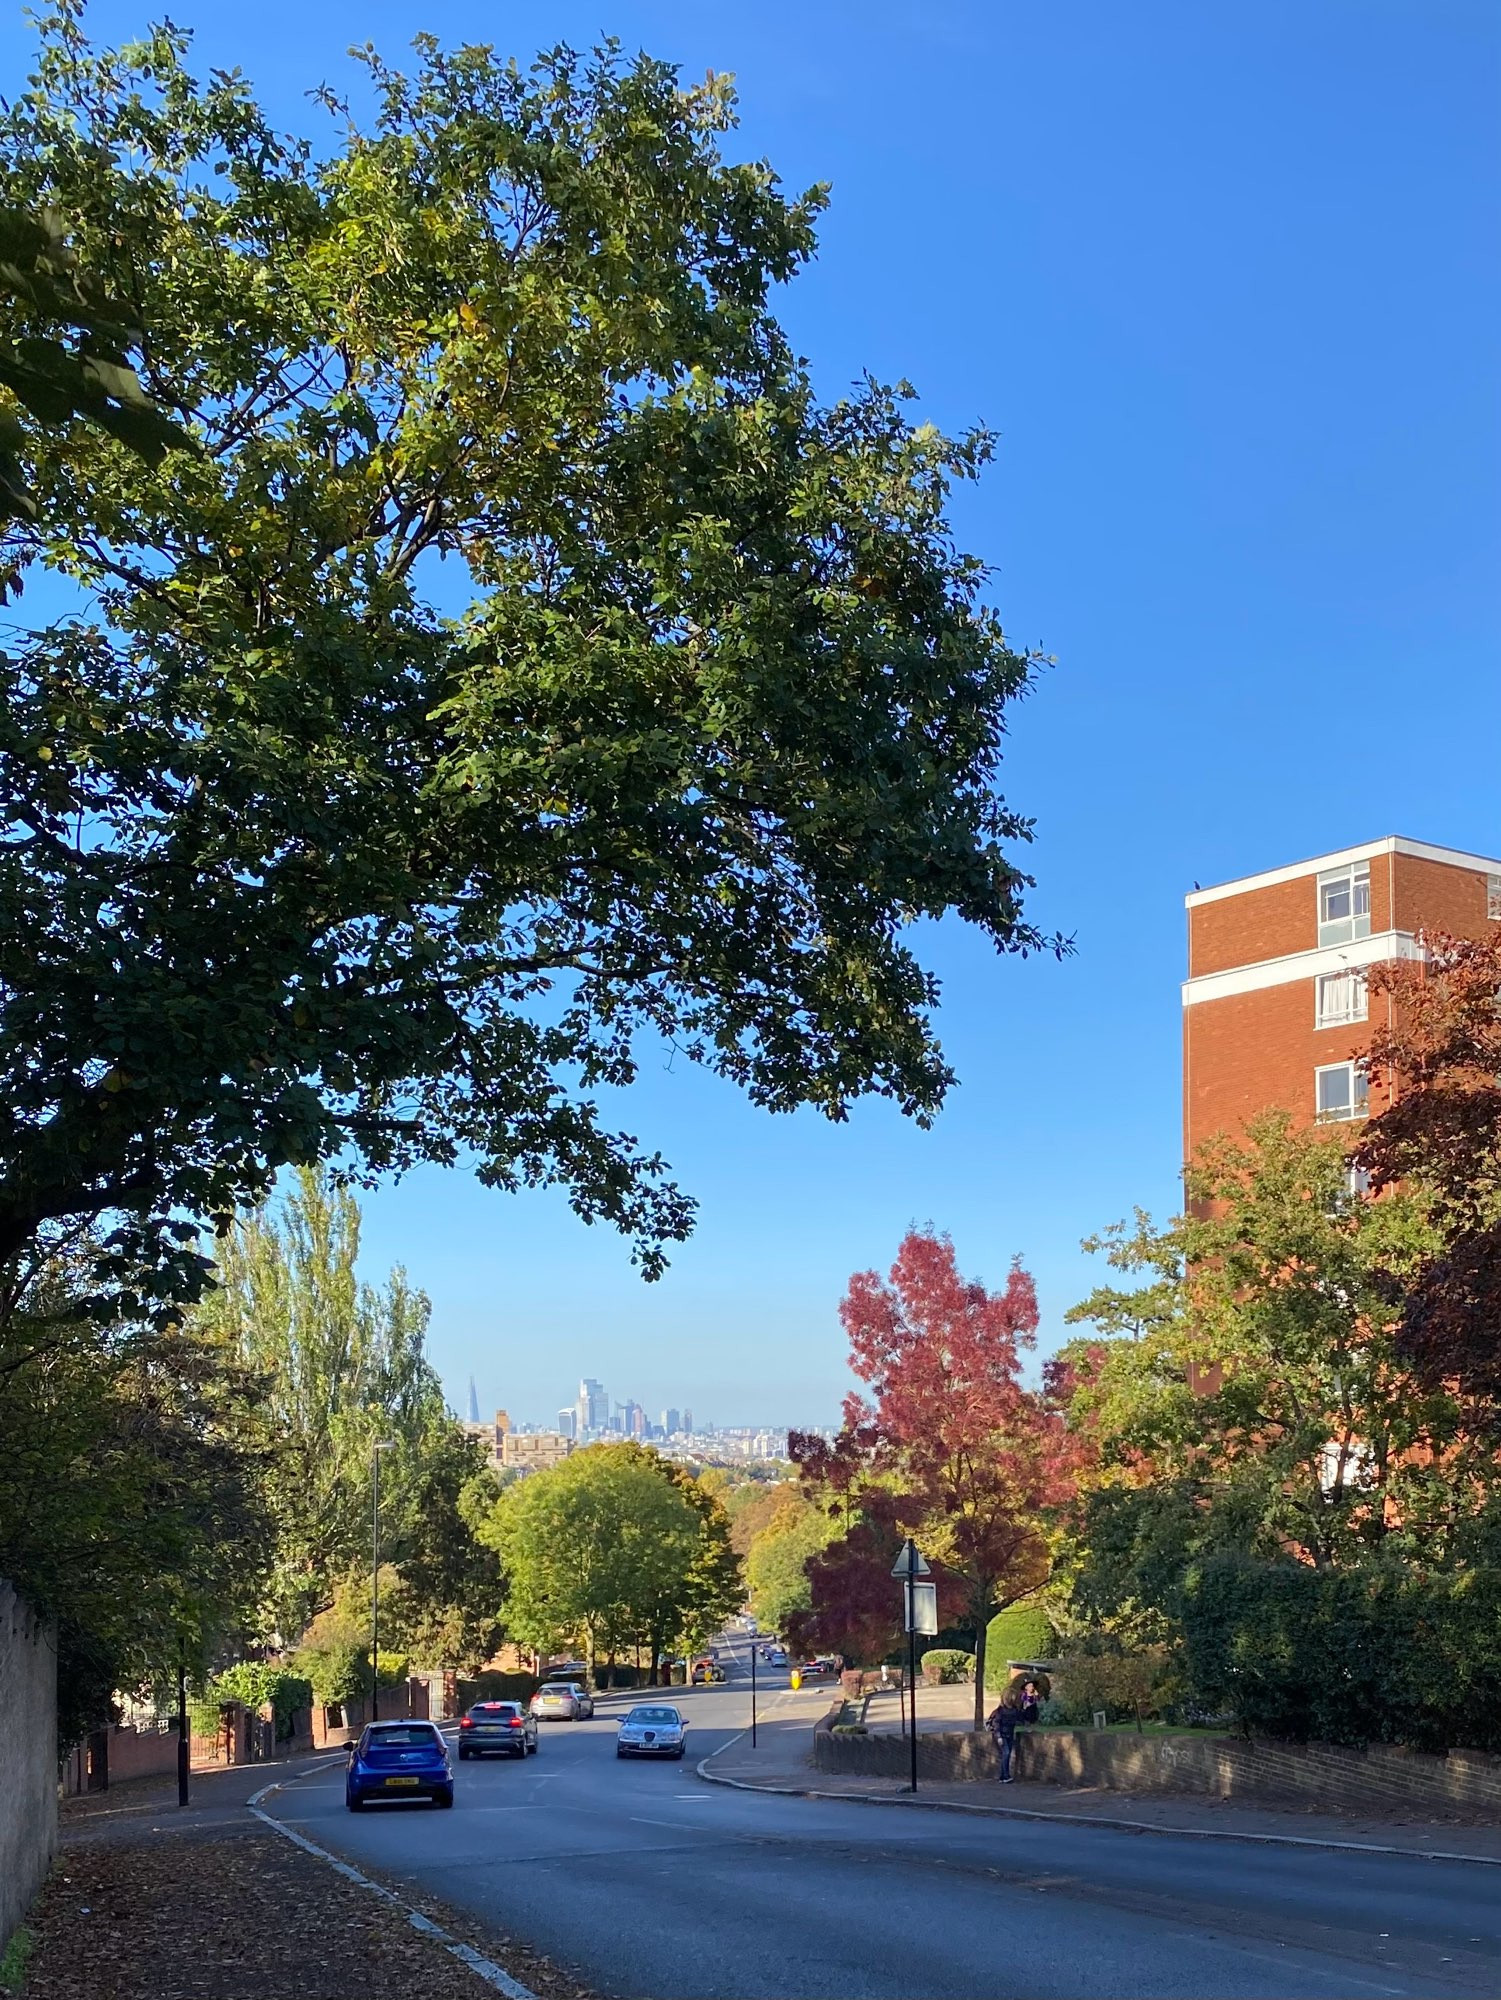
978,1461
612,1550
523,661
1276,1492
1247,1392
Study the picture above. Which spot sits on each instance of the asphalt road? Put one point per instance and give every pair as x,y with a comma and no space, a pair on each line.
653,1883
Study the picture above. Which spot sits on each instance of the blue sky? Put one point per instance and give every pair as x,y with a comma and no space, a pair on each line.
1224,279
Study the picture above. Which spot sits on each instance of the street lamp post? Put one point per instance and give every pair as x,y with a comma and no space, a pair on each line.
912,1647
380,1445
909,1566
753,1691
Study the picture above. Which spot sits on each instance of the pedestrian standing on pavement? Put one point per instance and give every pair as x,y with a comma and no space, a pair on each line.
1002,1722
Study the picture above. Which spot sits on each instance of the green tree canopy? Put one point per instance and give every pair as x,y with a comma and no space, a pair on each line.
523,663
612,1549
1249,1393
129,1491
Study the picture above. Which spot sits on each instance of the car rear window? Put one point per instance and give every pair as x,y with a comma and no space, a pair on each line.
492,1710
414,1735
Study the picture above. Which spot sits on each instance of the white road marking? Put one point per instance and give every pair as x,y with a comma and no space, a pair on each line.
492,1974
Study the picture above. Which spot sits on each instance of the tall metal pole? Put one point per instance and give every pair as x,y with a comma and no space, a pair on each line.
912,1645
184,1748
753,1693
375,1586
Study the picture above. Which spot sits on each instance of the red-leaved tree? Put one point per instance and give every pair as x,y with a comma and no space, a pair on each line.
1441,1050
949,1444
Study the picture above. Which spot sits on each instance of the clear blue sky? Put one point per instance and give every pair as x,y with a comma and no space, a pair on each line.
1225,279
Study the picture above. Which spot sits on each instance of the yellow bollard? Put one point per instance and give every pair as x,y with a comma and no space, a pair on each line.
797,1679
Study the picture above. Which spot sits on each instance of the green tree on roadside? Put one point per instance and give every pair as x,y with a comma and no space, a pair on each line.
609,1551
129,1491
1278,1498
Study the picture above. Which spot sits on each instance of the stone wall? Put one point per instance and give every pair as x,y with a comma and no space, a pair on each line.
28,1757
1383,1778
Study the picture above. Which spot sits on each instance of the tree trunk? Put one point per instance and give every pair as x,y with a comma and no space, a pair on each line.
982,1627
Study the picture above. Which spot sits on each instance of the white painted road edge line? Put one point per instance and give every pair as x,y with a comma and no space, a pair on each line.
1081,1819
486,1969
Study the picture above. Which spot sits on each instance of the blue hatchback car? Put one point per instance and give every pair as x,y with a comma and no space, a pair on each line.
398,1760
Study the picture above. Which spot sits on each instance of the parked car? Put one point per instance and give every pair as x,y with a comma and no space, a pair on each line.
398,1760
562,1701
704,1672
501,1726
651,1729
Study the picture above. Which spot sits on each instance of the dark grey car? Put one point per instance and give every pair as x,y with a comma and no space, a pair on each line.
499,1728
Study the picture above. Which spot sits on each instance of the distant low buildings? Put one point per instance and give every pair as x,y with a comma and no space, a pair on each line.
534,1451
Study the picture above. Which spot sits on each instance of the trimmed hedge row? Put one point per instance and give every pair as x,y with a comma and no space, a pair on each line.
1383,1654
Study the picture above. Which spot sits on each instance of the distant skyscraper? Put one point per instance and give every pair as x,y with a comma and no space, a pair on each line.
473,1402
637,1420
568,1422
670,1423
688,1420
593,1407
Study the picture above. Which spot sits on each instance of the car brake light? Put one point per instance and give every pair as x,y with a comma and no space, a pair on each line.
517,1723
467,1722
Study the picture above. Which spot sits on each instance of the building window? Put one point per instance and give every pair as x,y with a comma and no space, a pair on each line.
1339,1092
1345,904
1340,997
1493,898
1357,1181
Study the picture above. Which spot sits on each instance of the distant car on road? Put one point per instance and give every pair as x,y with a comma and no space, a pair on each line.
775,1656
398,1760
562,1701
501,1726
651,1729
704,1672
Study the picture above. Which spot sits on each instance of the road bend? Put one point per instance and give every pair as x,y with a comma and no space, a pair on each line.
651,1882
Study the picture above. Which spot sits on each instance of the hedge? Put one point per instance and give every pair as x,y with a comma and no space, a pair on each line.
1381,1654
495,1686
1020,1632
942,1665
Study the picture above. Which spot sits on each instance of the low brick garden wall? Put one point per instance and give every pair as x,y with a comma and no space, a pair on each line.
1383,1778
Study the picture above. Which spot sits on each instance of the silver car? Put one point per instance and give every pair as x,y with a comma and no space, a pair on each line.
651,1729
563,1701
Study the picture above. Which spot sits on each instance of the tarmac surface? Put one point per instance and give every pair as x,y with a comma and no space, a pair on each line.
643,1879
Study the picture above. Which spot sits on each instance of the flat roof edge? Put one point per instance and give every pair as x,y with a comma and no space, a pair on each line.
1269,878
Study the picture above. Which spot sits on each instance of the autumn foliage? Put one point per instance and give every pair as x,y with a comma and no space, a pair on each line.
1441,1050
947,1444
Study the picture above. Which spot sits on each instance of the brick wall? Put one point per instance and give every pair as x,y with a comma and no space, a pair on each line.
1249,1051
28,1757
1383,1778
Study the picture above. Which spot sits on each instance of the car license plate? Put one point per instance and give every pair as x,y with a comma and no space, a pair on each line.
403,1781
